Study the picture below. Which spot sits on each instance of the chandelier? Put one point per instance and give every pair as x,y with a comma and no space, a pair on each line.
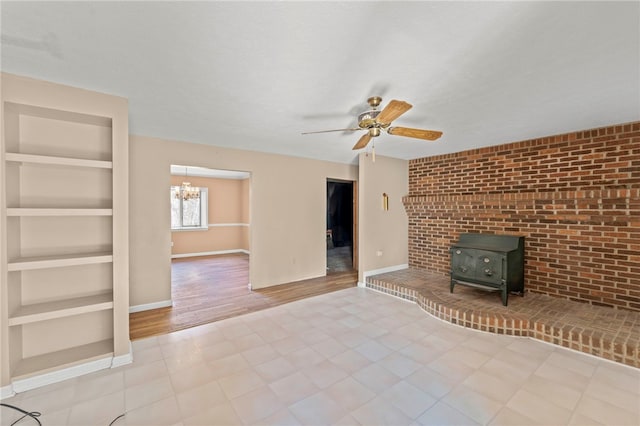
186,191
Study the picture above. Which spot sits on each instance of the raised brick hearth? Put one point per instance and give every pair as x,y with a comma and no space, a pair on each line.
608,333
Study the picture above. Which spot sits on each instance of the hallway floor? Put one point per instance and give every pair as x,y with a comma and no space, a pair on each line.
350,357
339,259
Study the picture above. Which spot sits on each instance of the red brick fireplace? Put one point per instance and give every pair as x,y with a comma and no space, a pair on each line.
575,197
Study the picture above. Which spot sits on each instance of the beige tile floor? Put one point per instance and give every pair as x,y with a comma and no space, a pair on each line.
349,357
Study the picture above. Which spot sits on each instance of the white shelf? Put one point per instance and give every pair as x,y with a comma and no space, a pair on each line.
28,263
51,361
60,161
61,308
28,211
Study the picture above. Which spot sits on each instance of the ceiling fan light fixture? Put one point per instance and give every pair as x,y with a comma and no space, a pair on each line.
374,121
368,118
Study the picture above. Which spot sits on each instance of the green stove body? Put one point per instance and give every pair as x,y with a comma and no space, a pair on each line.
489,261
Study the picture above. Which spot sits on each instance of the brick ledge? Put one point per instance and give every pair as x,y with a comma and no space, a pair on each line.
606,194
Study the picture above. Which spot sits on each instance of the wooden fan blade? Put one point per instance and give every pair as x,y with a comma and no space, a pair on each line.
429,135
392,111
334,130
364,140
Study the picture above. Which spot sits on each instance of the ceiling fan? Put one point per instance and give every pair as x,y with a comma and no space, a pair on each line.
374,121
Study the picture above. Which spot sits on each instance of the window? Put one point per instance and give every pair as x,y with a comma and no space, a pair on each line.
189,214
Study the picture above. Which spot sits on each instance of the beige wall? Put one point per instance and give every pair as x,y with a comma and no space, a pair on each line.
380,230
228,199
287,215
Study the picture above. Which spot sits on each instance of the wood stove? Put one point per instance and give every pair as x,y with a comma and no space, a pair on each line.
490,262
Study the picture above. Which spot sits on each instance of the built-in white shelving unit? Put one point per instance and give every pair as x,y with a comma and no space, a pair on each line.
64,226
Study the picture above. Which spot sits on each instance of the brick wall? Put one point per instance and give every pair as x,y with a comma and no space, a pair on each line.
575,197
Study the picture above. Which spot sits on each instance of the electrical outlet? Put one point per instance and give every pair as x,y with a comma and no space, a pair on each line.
379,253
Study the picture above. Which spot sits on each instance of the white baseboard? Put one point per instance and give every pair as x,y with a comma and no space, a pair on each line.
6,392
366,274
384,270
29,383
148,306
40,380
125,359
209,253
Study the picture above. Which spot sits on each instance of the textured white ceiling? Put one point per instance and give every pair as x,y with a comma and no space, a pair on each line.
254,75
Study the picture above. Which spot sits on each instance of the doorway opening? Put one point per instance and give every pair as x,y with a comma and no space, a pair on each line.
210,226
341,226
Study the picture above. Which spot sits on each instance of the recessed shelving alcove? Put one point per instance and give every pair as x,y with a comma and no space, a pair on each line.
64,223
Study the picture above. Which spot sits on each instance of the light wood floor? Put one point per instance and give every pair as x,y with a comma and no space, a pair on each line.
210,288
